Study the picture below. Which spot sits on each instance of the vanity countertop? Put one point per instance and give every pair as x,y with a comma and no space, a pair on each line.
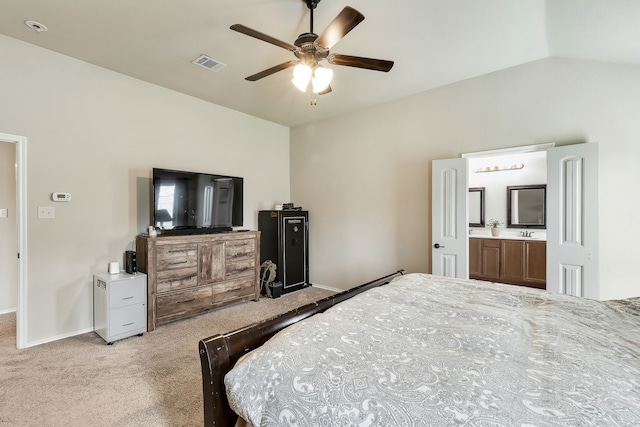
507,237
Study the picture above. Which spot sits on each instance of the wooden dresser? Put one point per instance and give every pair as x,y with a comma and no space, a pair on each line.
191,274
512,261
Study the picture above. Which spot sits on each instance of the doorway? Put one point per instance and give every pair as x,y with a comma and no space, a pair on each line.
15,148
572,218
8,230
510,253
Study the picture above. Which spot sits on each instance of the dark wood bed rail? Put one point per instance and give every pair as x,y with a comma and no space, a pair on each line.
220,352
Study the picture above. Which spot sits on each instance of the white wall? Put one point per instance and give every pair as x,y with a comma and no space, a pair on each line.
365,177
8,230
97,134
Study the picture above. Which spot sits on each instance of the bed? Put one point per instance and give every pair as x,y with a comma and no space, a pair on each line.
429,350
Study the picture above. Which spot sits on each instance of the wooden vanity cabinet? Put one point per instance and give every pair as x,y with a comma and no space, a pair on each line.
484,259
490,258
192,274
475,257
535,272
511,261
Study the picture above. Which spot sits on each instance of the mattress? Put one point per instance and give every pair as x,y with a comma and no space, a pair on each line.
428,350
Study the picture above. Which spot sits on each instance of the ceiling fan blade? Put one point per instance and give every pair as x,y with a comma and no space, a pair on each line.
359,62
261,36
271,70
339,27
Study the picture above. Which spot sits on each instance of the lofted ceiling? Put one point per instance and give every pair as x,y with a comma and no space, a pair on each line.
433,43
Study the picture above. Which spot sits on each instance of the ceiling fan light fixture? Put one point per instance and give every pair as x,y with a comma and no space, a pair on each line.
321,79
310,49
301,76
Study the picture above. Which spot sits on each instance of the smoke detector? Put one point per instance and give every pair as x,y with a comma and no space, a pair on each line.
209,63
34,25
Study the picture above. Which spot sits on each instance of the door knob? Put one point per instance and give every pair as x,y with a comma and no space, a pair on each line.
437,246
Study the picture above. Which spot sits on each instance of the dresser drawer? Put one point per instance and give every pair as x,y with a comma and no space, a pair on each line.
240,268
180,302
171,257
232,289
240,249
127,292
179,278
127,319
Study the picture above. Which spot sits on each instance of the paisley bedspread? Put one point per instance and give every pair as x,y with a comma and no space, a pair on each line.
431,351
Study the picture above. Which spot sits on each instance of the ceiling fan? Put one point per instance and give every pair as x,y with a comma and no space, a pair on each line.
310,49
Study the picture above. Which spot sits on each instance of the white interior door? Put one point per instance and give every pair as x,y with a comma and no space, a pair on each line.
450,218
21,223
572,216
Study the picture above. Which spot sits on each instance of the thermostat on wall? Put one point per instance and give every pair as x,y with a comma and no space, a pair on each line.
61,197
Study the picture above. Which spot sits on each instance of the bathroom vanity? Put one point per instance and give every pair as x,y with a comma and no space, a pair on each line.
517,261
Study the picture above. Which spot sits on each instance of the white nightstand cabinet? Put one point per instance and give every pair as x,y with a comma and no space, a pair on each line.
119,305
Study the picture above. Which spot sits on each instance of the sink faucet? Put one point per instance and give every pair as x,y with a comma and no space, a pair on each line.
527,233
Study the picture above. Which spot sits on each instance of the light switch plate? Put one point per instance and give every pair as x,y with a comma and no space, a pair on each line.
46,212
4,213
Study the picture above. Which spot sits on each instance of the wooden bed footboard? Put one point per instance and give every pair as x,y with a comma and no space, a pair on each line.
219,353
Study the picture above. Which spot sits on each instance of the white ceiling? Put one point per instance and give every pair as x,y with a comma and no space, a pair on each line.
433,43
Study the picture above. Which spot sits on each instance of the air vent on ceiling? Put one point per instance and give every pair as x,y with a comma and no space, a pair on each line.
209,63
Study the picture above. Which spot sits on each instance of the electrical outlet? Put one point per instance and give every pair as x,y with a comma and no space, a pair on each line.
4,213
46,212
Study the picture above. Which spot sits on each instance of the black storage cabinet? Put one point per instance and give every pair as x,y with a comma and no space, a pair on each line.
284,239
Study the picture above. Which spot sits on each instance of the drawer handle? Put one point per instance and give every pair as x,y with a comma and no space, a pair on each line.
178,263
235,289
127,298
128,324
240,255
177,251
189,300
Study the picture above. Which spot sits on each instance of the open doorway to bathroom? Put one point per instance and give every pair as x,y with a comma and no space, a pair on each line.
512,253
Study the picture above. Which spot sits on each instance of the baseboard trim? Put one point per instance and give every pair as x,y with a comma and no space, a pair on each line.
58,337
8,310
328,288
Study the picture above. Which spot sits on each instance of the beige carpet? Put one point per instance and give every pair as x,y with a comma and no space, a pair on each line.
153,380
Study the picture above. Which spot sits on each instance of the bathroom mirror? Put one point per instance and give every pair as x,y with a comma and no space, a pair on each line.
526,206
476,207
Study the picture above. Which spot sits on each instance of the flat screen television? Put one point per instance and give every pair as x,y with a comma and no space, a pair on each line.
191,202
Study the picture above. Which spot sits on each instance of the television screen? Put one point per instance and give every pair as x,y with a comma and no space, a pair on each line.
191,201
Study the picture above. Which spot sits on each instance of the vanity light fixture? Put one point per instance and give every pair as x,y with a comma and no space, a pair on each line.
499,168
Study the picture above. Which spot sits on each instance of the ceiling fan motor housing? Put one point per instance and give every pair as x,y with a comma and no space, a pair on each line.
305,39
307,51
